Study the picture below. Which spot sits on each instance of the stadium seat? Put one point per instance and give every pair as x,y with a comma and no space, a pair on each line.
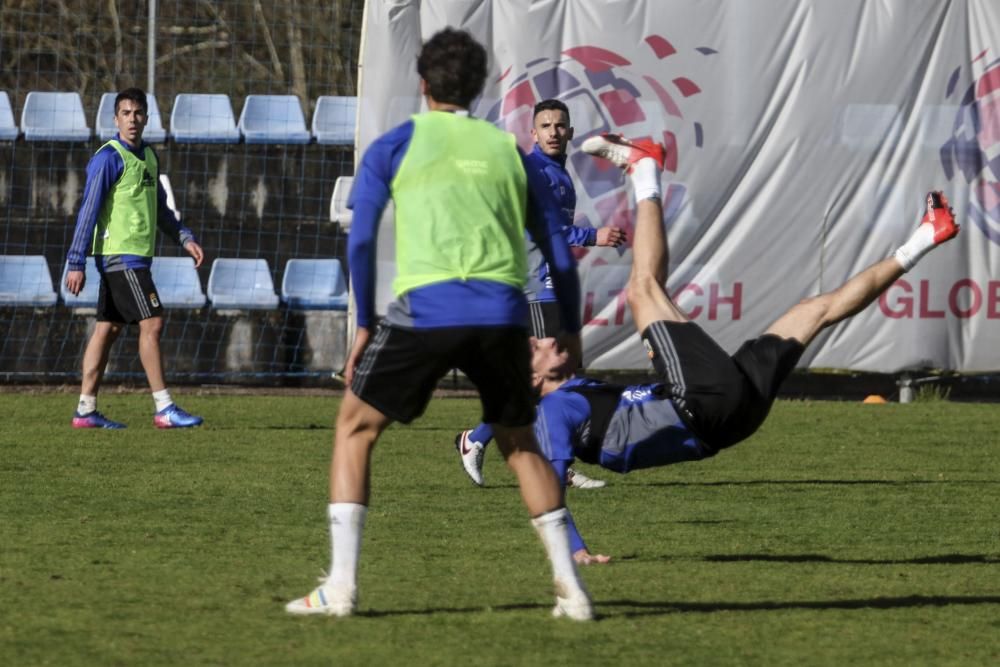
314,284
334,119
54,117
8,129
105,121
243,284
273,119
177,282
25,281
87,298
199,118
339,212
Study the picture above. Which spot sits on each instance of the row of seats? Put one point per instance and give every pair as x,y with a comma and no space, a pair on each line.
239,284
195,118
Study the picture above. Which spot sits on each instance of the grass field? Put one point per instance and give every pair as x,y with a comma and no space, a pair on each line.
840,534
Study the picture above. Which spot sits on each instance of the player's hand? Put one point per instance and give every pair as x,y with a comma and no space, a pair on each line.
361,338
75,280
196,252
570,345
584,557
611,236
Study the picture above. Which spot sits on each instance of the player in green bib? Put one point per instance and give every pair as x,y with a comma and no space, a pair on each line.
123,205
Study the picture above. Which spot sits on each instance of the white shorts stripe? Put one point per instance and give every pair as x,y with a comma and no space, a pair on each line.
368,359
140,298
671,362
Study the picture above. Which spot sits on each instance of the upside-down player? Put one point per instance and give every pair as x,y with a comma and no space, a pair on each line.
704,400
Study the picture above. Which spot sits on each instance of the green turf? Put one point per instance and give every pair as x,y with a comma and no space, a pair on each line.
840,534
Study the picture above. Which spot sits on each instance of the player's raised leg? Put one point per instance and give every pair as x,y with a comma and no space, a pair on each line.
643,160
806,319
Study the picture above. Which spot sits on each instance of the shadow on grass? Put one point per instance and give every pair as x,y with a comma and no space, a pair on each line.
943,559
821,482
639,608
636,608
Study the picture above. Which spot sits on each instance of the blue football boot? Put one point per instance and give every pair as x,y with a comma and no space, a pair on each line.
173,416
94,420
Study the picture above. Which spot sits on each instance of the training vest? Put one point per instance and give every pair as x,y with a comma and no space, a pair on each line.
460,195
127,222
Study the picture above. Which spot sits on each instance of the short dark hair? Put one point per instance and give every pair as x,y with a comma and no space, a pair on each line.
134,95
551,105
454,66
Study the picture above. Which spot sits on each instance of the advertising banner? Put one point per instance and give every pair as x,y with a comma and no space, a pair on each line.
803,137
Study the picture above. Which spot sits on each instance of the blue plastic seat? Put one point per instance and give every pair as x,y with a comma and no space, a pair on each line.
8,130
273,119
314,284
54,117
177,282
25,281
199,118
243,284
105,121
334,120
87,298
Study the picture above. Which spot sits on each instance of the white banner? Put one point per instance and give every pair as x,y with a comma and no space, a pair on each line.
806,134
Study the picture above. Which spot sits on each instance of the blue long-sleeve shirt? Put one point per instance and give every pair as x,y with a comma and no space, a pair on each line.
540,287
643,431
453,302
103,172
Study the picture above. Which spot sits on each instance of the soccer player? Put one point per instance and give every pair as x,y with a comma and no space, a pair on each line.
463,196
704,400
552,132
123,204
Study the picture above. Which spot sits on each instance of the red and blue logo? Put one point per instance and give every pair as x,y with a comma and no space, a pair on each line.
641,95
974,147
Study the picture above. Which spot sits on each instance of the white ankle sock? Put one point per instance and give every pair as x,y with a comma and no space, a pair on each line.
920,244
646,179
347,521
162,399
551,527
86,405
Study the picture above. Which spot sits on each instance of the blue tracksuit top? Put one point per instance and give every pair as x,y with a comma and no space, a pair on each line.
643,430
540,286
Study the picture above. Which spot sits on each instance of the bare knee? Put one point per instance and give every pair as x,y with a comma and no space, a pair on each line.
106,333
642,289
815,309
151,327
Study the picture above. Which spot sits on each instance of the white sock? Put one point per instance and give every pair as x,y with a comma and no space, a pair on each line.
646,179
920,244
86,405
162,399
551,527
347,521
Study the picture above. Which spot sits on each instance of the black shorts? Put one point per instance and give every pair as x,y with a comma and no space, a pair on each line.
723,398
400,369
127,297
544,319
